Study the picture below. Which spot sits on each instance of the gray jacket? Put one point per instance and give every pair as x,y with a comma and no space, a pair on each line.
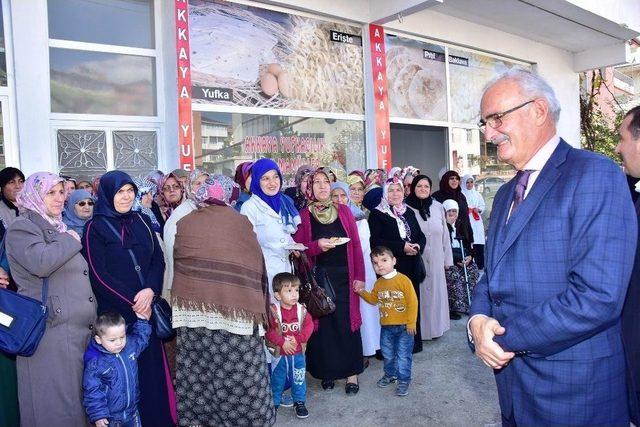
50,391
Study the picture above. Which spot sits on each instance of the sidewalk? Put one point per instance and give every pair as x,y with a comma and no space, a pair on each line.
450,387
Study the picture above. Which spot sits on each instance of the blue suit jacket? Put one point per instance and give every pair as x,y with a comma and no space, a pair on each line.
556,278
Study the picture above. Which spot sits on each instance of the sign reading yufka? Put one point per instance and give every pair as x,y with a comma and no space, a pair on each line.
248,56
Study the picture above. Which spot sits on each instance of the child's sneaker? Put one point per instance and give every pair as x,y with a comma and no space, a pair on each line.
386,381
286,401
402,389
301,410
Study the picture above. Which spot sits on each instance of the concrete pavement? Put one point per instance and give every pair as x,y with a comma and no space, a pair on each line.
450,387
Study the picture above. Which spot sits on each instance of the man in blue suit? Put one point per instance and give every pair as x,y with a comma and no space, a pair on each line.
546,314
629,149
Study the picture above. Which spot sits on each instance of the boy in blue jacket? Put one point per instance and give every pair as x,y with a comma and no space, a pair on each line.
110,383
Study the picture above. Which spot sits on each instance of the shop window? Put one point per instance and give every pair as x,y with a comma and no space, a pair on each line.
469,72
84,153
103,22
290,141
84,82
95,69
417,79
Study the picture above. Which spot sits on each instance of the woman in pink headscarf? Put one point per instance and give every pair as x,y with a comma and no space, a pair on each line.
39,246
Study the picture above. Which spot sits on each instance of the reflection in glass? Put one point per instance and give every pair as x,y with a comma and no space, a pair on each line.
102,83
224,140
470,153
116,22
469,72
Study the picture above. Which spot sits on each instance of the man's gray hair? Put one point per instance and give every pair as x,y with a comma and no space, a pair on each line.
532,86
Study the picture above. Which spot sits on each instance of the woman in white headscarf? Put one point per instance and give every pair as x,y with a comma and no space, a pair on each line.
476,205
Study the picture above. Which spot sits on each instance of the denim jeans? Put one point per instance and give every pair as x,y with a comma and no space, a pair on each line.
396,345
292,368
131,422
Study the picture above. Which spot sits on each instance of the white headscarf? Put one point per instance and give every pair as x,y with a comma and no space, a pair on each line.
450,204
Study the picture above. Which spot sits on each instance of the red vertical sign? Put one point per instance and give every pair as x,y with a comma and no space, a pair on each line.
185,131
380,95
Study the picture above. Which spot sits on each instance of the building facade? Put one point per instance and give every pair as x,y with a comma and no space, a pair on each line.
91,85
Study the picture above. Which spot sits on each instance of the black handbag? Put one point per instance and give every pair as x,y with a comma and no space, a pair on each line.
313,296
23,321
162,317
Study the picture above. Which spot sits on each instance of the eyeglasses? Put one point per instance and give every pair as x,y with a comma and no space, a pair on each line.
82,203
495,120
171,188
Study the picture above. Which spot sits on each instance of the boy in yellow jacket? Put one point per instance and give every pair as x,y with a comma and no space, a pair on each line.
394,294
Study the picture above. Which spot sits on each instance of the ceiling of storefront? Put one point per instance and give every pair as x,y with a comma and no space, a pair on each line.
556,23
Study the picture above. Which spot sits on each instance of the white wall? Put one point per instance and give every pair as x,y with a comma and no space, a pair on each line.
621,11
553,64
169,142
31,63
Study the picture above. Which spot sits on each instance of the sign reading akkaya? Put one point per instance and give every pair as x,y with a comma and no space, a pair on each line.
263,58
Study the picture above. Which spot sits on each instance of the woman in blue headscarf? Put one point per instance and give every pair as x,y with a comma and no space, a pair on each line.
273,216
113,238
79,210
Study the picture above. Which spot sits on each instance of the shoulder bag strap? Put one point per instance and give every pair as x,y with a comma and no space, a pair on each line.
136,266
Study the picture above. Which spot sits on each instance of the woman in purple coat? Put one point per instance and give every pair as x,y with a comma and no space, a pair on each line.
108,240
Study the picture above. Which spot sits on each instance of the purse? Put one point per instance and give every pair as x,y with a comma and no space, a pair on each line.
162,317
313,296
23,321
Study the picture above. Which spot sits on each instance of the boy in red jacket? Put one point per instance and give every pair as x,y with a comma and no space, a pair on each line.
290,329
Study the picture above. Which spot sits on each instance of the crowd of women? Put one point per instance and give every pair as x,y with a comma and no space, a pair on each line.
211,245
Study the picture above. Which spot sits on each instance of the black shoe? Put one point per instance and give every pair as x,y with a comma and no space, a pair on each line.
351,388
379,355
365,363
301,410
417,348
454,316
327,384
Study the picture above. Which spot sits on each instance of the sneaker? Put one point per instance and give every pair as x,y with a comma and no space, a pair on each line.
301,410
286,401
386,381
402,389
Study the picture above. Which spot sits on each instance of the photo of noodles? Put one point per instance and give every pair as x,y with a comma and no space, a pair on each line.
417,84
273,60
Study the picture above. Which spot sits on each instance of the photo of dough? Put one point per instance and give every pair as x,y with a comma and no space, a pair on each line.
417,86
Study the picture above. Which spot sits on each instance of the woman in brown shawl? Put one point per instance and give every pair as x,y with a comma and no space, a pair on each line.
219,300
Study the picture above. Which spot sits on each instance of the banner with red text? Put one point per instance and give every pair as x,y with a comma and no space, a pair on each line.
185,136
380,95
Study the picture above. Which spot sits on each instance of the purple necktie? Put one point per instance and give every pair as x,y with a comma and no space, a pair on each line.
522,178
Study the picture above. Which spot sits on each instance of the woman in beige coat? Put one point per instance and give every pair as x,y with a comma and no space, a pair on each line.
437,256
38,246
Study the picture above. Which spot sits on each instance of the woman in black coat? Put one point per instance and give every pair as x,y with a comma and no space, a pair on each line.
127,288
395,226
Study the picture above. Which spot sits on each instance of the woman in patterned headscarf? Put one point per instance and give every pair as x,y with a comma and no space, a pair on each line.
335,349
147,189
170,194
194,181
297,192
394,225
242,177
219,300
39,245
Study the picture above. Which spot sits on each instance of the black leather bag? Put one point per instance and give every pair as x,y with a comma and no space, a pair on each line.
162,319
312,295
